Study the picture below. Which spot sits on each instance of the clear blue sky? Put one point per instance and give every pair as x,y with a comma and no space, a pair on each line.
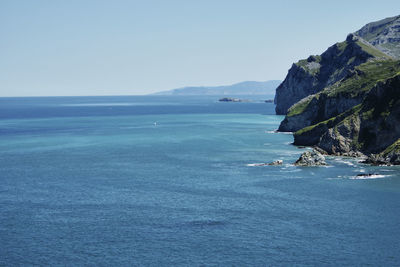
94,47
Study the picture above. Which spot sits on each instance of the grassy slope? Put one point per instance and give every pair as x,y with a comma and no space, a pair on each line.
395,147
377,72
378,27
363,79
372,73
372,50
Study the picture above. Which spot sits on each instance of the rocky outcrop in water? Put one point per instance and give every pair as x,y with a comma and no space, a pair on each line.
230,99
311,158
276,163
392,158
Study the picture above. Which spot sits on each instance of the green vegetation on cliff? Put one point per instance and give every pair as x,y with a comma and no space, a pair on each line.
373,51
310,65
383,34
393,148
312,75
347,101
364,77
358,82
299,107
372,127
329,122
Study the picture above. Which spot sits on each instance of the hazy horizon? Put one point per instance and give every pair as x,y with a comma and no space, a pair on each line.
90,48
157,93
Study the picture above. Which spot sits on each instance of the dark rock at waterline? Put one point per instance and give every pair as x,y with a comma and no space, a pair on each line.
391,156
276,162
366,175
230,99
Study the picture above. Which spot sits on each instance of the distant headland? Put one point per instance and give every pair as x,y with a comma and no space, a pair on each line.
242,88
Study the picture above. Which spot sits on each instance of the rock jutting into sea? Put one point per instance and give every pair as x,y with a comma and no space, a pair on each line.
311,158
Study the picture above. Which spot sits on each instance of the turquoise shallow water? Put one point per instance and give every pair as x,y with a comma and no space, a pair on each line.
93,181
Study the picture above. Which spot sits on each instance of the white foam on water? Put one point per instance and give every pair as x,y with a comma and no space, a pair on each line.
290,168
276,132
374,176
367,177
326,166
255,164
347,162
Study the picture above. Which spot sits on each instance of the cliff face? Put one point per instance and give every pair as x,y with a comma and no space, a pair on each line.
339,97
347,101
372,127
299,83
310,76
380,39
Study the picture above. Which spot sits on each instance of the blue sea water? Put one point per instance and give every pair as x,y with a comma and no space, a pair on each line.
171,181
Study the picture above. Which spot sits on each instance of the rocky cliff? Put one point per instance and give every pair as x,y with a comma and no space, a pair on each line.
371,128
384,35
373,125
312,75
357,110
339,97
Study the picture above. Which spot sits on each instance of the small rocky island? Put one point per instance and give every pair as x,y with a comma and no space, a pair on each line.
231,99
311,158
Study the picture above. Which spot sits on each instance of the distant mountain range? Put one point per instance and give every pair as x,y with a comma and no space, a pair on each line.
242,88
